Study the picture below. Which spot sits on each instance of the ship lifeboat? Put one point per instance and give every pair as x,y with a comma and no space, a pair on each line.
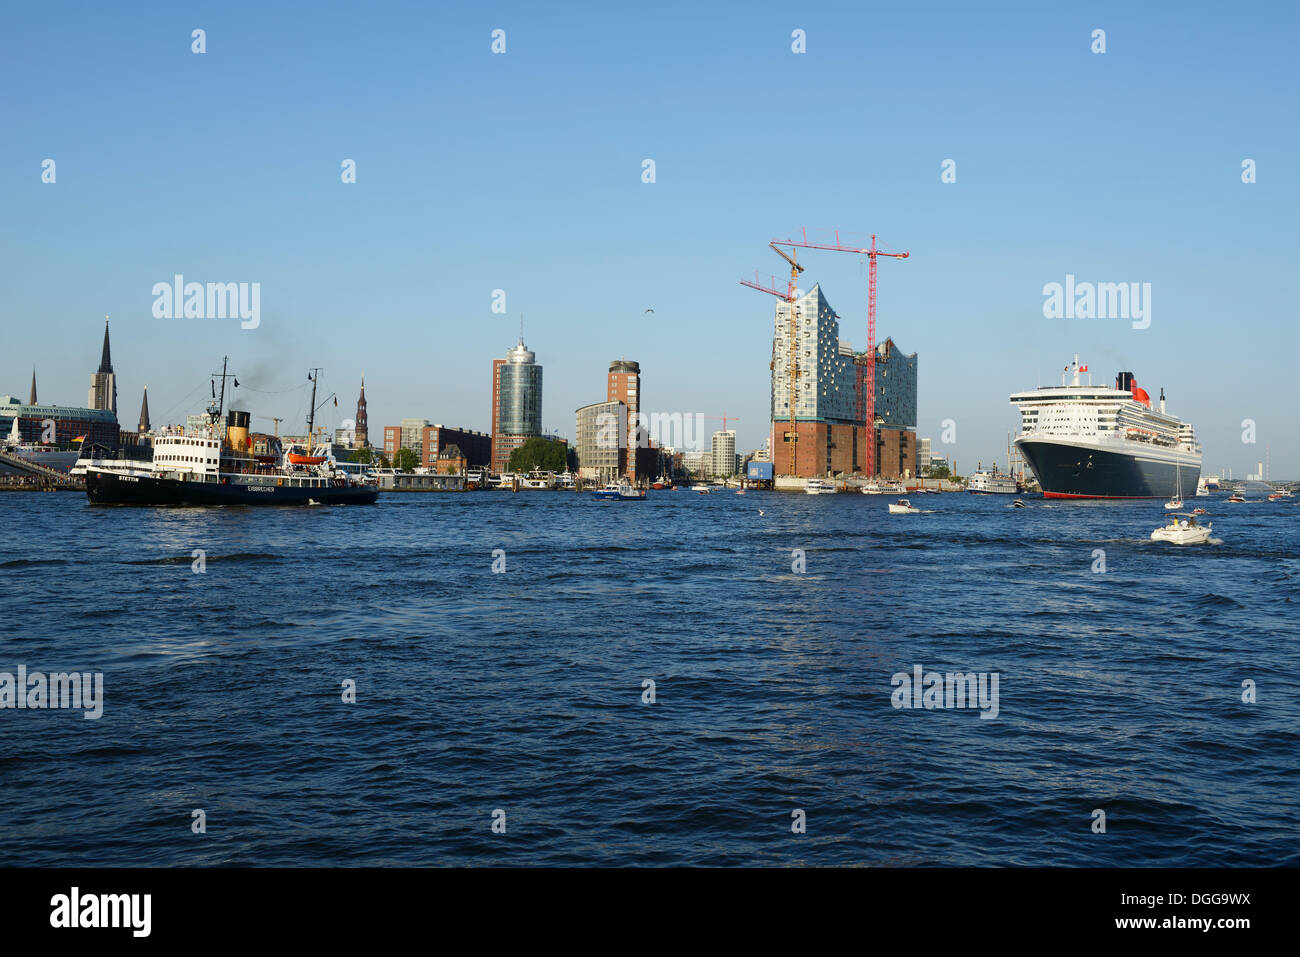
297,458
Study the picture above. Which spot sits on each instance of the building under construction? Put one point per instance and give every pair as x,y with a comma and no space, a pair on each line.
830,398
834,411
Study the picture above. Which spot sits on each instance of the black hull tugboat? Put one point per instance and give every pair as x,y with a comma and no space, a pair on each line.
214,466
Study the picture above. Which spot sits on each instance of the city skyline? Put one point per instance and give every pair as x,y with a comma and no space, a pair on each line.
1069,165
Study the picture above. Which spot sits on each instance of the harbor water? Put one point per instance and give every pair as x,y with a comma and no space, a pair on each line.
501,648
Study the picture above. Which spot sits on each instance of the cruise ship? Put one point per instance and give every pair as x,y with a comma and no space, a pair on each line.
1086,441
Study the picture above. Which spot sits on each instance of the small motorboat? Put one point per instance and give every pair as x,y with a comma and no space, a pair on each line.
740,491
1200,511
1018,504
702,489
620,493
1236,497
1183,529
903,507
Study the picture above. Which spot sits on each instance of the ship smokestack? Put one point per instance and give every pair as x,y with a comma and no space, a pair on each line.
1124,381
1162,398
237,430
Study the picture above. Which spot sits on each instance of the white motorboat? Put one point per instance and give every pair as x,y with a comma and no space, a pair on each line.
1018,504
903,507
1183,529
820,487
702,489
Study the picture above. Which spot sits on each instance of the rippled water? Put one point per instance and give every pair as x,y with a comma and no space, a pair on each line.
522,691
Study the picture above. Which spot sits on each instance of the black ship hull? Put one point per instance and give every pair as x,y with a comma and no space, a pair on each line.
112,488
1077,471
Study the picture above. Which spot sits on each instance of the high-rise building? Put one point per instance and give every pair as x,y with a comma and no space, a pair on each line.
722,454
103,383
830,433
516,403
624,385
600,431
361,429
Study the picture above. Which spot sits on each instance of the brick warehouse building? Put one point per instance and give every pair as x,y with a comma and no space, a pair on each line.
830,407
474,447
430,441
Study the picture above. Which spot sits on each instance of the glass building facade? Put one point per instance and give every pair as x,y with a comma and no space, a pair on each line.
521,394
895,386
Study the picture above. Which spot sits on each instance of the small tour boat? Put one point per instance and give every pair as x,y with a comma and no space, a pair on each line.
1183,529
820,487
620,493
902,507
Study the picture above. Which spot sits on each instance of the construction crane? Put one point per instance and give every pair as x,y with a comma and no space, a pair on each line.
871,254
789,296
725,419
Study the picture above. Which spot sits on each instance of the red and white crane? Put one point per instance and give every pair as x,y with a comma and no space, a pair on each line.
871,254
789,296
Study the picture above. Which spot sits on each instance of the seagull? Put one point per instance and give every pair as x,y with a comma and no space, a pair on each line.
760,511
649,310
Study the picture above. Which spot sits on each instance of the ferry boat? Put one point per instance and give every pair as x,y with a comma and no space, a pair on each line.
1086,441
818,486
209,467
992,482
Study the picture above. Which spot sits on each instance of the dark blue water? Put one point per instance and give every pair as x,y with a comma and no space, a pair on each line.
522,691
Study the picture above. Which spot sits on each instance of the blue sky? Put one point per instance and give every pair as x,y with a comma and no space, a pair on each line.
522,172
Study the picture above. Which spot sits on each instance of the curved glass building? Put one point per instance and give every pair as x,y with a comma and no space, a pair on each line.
516,403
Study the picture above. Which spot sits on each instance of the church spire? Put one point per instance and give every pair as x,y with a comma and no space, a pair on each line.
31,400
105,359
144,412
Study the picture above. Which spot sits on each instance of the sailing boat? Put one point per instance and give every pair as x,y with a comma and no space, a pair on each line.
1176,502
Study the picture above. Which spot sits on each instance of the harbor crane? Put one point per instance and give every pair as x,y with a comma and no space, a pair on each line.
789,297
871,253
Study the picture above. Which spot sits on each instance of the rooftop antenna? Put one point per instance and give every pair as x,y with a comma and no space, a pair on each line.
521,328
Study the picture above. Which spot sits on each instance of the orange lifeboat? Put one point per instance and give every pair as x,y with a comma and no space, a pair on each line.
297,458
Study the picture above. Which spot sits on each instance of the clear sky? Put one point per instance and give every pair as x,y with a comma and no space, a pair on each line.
522,171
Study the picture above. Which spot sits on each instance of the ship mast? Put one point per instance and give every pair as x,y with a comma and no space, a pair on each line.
311,415
217,406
